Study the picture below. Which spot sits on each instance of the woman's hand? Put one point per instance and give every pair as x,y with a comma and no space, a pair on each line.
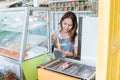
64,53
67,54
54,36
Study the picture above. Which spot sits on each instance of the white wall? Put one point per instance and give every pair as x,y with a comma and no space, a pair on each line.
89,40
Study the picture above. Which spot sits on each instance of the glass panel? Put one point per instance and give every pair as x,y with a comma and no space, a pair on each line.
11,26
12,21
37,36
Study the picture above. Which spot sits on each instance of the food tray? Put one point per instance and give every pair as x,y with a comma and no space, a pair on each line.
80,71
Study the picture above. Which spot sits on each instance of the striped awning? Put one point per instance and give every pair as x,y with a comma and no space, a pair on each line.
5,4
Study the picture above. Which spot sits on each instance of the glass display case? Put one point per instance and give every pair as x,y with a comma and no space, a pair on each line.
24,34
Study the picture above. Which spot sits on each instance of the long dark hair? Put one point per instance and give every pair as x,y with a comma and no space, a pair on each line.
73,32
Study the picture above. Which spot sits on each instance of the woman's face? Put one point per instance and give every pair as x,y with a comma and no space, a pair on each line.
67,25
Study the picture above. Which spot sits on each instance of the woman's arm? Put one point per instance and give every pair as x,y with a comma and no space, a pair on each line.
75,52
69,54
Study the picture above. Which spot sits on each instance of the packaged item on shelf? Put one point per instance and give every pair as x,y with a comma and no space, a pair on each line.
68,4
82,5
61,4
77,3
65,8
43,5
72,3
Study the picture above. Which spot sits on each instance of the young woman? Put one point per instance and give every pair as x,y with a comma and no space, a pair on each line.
66,40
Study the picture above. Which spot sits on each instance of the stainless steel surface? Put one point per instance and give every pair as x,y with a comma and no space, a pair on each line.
77,70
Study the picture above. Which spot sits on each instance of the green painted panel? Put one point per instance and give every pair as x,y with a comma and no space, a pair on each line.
30,67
